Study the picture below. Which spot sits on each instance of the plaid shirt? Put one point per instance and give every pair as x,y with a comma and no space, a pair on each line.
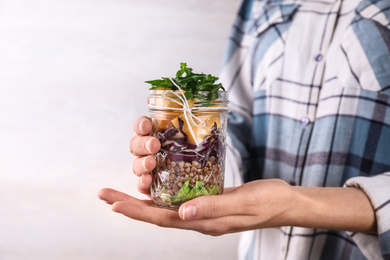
309,84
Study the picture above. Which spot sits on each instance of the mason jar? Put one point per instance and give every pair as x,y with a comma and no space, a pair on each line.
191,160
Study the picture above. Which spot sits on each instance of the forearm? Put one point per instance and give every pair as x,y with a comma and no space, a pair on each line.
332,208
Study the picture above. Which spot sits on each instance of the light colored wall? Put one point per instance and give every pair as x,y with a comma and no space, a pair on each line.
71,84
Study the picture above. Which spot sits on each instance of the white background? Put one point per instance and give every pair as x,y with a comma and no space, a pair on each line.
72,78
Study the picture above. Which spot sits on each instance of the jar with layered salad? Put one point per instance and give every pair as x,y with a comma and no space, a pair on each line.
191,160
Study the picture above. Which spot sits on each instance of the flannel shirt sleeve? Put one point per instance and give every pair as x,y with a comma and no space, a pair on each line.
377,189
372,21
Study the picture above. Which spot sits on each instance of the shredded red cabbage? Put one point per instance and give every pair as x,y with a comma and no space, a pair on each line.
174,143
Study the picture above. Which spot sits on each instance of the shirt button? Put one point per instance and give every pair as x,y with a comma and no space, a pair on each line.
305,120
319,57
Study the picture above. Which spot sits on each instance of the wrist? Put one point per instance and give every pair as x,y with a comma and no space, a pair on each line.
282,203
331,208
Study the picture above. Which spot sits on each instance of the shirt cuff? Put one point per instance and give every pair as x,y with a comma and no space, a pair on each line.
377,188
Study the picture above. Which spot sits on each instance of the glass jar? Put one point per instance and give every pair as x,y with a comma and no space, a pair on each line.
191,160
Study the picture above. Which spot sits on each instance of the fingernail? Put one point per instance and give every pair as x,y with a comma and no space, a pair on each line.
148,146
140,125
189,212
143,163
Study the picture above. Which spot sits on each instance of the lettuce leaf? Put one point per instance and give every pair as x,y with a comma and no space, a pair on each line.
186,193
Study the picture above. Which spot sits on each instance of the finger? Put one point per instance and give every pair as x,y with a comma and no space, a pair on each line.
142,126
207,207
144,145
147,211
143,165
143,184
110,196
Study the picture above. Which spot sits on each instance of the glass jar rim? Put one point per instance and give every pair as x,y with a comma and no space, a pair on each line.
202,91
219,103
222,95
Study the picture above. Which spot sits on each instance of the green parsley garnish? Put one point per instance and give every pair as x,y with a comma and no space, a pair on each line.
191,83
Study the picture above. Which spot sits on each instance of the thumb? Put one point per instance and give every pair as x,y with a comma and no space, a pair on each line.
206,207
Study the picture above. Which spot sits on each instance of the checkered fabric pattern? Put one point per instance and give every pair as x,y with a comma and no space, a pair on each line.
309,84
